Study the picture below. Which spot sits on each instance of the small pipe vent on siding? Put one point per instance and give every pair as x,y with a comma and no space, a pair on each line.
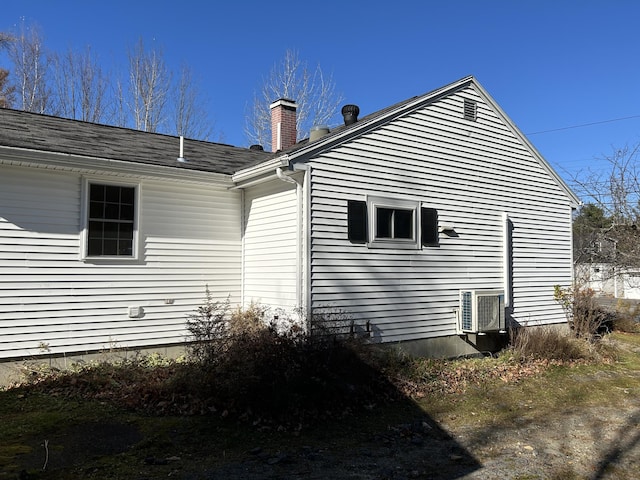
470,110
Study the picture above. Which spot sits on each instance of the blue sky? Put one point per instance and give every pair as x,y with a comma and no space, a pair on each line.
549,64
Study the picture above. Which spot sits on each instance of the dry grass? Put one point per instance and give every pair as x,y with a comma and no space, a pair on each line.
549,342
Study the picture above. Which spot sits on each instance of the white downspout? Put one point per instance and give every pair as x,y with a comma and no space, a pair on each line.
305,232
506,260
243,227
285,178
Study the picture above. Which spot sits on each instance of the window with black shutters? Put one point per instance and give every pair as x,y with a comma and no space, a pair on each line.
382,222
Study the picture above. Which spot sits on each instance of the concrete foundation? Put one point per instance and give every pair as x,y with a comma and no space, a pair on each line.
16,369
468,345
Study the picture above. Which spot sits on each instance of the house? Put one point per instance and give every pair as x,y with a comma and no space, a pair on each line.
430,223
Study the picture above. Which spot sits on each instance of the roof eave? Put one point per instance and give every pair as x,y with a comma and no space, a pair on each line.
69,162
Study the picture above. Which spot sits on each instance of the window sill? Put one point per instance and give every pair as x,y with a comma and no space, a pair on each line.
395,244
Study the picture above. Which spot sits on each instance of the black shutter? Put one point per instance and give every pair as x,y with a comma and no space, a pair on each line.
429,221
357,221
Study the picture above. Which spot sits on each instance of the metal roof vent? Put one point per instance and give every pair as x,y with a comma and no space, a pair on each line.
181,158
350,114
256,147
318,132
470,110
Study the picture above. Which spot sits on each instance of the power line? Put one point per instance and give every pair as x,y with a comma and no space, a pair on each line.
584,125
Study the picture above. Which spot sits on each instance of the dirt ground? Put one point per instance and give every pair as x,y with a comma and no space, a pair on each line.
591,444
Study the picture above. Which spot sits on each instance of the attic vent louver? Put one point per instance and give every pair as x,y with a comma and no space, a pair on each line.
470,110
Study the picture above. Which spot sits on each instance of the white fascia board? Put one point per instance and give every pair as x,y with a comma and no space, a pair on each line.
67,162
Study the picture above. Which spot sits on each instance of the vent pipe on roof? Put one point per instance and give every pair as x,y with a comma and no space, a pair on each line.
181,157
350,114
318,132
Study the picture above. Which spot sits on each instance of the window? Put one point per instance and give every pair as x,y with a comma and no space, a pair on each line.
111,221
394,224
391,223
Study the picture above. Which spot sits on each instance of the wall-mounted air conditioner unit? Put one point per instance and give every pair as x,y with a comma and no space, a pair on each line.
481,311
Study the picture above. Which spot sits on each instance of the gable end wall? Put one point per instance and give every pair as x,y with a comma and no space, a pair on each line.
472,173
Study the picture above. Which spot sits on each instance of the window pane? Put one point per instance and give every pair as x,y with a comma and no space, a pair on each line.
112,194
112,211
95,247
110,230
110,247
96,193
125,247
126,231
127,195
95,230
403,224
384,218
126,212
96,210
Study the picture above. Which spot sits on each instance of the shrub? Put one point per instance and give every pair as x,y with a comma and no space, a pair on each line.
626,316
208,327
261,363
586,318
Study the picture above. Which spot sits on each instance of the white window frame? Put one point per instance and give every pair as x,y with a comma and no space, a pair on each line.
373,203
84,221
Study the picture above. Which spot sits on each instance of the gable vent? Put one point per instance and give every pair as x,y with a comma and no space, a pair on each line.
470,110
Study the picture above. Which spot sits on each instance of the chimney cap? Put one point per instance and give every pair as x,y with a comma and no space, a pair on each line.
284,102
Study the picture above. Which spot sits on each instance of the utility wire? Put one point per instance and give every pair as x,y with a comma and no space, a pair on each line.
584,125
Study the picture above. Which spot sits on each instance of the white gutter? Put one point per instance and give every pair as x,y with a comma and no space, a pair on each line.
261,169
88,164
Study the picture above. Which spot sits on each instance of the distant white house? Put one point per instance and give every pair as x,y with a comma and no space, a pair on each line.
608,280
426,223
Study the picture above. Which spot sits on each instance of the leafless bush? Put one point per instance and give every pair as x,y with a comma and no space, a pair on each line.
626,317
586,318
262,361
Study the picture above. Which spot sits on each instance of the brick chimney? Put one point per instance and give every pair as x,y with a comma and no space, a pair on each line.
283,124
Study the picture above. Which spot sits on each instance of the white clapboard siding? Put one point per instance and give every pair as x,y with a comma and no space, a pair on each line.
472,173
270,239
190,238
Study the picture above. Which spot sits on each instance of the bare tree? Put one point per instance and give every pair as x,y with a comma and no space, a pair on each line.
73,85
149,86
81,86
613,198
31,68
6,89
189,110
313,91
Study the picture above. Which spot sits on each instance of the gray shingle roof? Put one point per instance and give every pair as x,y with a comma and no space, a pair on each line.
53,134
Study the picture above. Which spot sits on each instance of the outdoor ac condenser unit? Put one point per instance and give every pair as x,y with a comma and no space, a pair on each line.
481,311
